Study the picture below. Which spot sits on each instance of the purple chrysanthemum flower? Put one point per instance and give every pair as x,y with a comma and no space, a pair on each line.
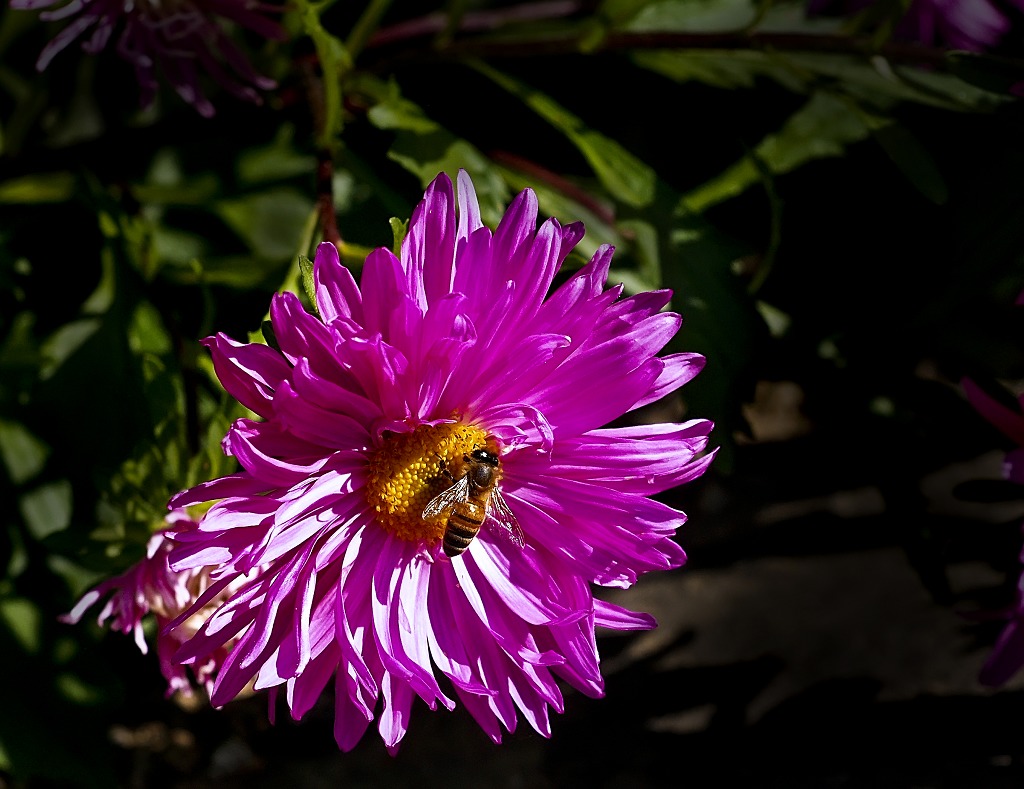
445,386
184,38
150,586
1007,656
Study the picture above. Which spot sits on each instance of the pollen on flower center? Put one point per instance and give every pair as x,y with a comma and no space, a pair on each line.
410,469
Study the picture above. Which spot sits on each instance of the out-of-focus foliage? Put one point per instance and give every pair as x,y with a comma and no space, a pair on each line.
829,204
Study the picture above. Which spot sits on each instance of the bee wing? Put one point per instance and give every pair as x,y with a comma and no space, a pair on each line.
447,498
505,519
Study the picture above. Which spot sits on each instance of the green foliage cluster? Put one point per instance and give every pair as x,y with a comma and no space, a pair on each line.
736,151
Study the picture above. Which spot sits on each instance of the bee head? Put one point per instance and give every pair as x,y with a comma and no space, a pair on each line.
483,456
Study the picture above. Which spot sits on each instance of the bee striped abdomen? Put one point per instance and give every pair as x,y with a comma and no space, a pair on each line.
463,525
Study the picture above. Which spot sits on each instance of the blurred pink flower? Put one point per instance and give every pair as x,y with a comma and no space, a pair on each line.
181,38
150,586
448,372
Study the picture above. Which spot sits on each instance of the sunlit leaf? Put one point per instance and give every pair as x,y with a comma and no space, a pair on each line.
775,319
270,223
22,617
399,229
47,509
821,128
64,342
23,454
146,332
428,154
75,690
308,286
102,297
624,175
393,111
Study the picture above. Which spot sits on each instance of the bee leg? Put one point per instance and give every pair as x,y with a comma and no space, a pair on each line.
444,468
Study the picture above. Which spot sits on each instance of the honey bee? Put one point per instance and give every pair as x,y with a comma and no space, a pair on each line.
470,502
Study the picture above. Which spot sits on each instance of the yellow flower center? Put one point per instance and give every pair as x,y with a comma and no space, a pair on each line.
411,468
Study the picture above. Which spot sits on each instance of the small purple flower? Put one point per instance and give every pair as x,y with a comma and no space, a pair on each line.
974,25
1008,653
150,586
180,37
446,389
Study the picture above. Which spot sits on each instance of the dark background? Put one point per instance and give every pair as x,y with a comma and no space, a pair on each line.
828,628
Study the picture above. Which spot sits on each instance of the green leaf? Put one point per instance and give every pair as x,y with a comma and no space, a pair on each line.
41,188
102,297
392,111
907,153
23,454
270,223
19,348
146,332
23,620
988,72
875,83
308,285
425,148
277,161
399,228
335,62
64,342
425,155
647,274
167,184
75,690
722,68
823,127
694,16
719,320
879,84
47,509
624,175
178,248
267,335
235,271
